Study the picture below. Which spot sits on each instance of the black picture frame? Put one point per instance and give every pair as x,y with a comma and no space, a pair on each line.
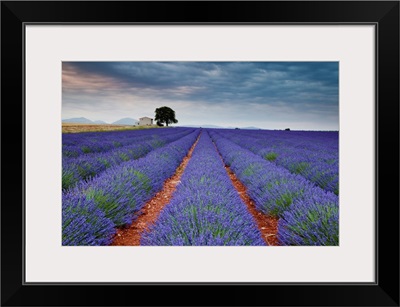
383,14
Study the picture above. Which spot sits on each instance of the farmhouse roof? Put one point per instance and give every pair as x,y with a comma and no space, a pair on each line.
145,117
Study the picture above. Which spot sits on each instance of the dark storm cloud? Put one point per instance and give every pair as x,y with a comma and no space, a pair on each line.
220,80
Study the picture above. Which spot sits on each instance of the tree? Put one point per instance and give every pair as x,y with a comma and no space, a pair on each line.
165,115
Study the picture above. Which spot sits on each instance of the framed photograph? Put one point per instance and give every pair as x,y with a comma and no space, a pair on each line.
241,153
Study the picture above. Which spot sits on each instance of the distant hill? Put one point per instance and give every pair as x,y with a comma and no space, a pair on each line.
210,126
251,128
202,126
100,122
126,121
84,120
78,120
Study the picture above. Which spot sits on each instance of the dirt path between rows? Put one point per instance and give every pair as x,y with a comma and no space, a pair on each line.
149,213
267,225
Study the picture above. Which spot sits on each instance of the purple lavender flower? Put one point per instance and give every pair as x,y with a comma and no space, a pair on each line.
205,209
291,197
86,166
76,144
311,221
312,154
83,223
121,191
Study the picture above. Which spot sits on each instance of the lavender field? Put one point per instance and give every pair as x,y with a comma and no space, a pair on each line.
110,178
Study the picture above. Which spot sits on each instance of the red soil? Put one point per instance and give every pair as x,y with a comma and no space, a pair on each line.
149,213
267,225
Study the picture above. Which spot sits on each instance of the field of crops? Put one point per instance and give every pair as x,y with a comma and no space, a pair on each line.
289,176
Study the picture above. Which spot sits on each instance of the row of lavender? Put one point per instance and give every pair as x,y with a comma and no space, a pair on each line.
205,210
312,154
308,215
76,144
85,166
93,209
312,140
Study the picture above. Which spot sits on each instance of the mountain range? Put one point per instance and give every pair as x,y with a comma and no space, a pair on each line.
126,121
84,120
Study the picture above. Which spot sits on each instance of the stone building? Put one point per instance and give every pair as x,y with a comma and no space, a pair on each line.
145,121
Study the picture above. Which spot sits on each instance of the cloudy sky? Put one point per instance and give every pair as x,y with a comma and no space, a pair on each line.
268,95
